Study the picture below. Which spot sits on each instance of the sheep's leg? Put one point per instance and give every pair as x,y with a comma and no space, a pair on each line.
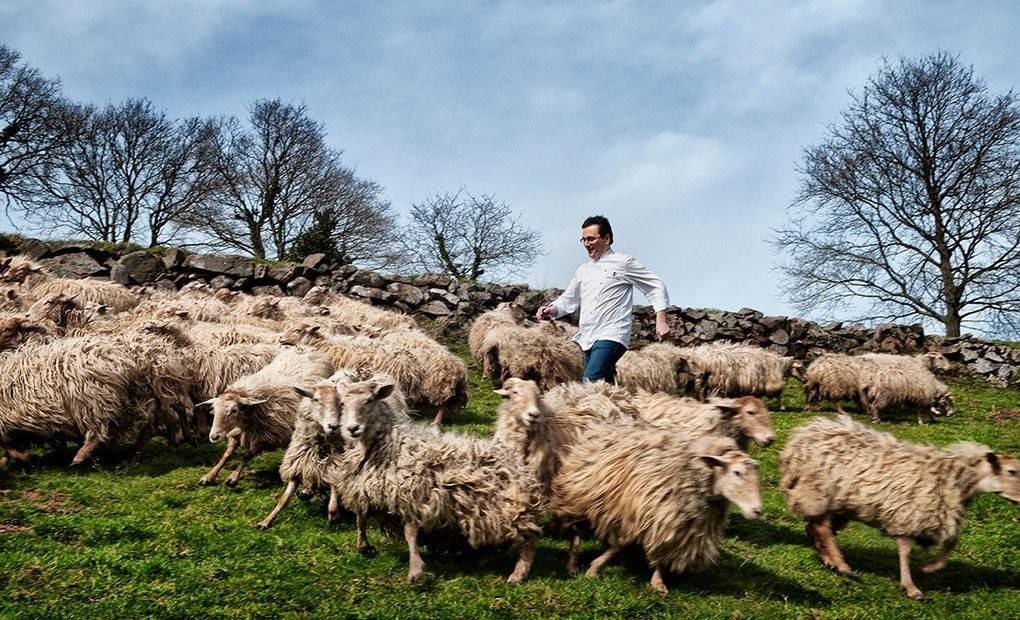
575,545
333,508
598,562
365,548
657,582
416,566
906,581
248,456
143,438
210,477
436,421
86,449
824,539
943,559
268,521
524,561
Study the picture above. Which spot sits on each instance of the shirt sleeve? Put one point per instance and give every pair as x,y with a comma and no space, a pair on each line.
570,299
650,285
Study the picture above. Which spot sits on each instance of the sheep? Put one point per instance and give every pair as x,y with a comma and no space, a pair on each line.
831,376
262,406
472,485
877,381
637,484
443,374
87,389
529,353
527,425
317,446
360,352
836,470
659,367
506,313
884,383
356,313
743,419
37,283
741,370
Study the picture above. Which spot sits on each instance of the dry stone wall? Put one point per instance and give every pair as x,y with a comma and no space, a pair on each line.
452,304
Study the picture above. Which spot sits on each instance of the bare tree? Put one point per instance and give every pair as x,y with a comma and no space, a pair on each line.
34,120
359,227
273,177
467,236
130,174
910,208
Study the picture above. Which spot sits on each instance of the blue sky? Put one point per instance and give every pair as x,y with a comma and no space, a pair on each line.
681,122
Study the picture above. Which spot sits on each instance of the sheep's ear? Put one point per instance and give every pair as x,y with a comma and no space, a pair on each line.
712,461
502,392
303,392
382,390
12,294
248,401
314,329
729,409
102,309
181,314
993,460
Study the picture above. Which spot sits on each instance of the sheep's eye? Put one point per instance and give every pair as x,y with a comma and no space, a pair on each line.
738,474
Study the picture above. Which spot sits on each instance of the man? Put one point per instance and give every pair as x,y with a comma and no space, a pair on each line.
604,290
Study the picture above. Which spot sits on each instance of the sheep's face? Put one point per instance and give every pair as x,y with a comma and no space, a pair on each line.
735,477
227,413
300,333
795,369
325,407
523,397
360,418
1009,478
18,273
265,307
226,295
944,405
937,361
15,331
754,419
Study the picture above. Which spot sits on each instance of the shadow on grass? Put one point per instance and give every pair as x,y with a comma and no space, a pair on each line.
765,533
958,576
717,580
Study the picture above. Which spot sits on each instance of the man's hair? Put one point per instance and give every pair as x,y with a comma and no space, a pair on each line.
605,230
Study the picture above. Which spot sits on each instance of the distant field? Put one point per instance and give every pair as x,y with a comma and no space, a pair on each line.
146,540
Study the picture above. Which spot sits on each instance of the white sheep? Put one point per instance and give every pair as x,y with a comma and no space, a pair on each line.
431,480
638,485
262,406
833,471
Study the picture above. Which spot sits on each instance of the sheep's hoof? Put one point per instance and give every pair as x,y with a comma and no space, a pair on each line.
414,577
368,551
914,593
230,482
306,494
204,482
572,569
515,579
263,525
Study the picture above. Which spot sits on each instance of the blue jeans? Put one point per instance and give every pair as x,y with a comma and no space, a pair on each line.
600,361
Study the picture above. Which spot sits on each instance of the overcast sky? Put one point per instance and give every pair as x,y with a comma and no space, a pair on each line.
682,125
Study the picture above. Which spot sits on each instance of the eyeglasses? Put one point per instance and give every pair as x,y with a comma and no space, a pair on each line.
590,239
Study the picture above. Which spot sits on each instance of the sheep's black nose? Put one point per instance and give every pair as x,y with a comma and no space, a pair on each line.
354,429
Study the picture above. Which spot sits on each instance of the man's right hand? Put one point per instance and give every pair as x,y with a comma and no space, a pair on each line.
546,311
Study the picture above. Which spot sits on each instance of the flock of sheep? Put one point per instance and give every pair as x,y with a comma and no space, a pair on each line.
338,384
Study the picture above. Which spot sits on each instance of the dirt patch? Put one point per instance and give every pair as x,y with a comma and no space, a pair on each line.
1002,416
10,528
49,503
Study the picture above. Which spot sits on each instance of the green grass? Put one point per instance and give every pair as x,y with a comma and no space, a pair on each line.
145,540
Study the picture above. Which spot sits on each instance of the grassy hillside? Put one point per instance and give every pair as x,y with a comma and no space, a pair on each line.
145,540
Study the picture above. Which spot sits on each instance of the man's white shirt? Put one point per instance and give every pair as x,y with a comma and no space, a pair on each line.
604,290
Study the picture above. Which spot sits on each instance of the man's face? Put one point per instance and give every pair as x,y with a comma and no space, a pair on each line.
595,244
